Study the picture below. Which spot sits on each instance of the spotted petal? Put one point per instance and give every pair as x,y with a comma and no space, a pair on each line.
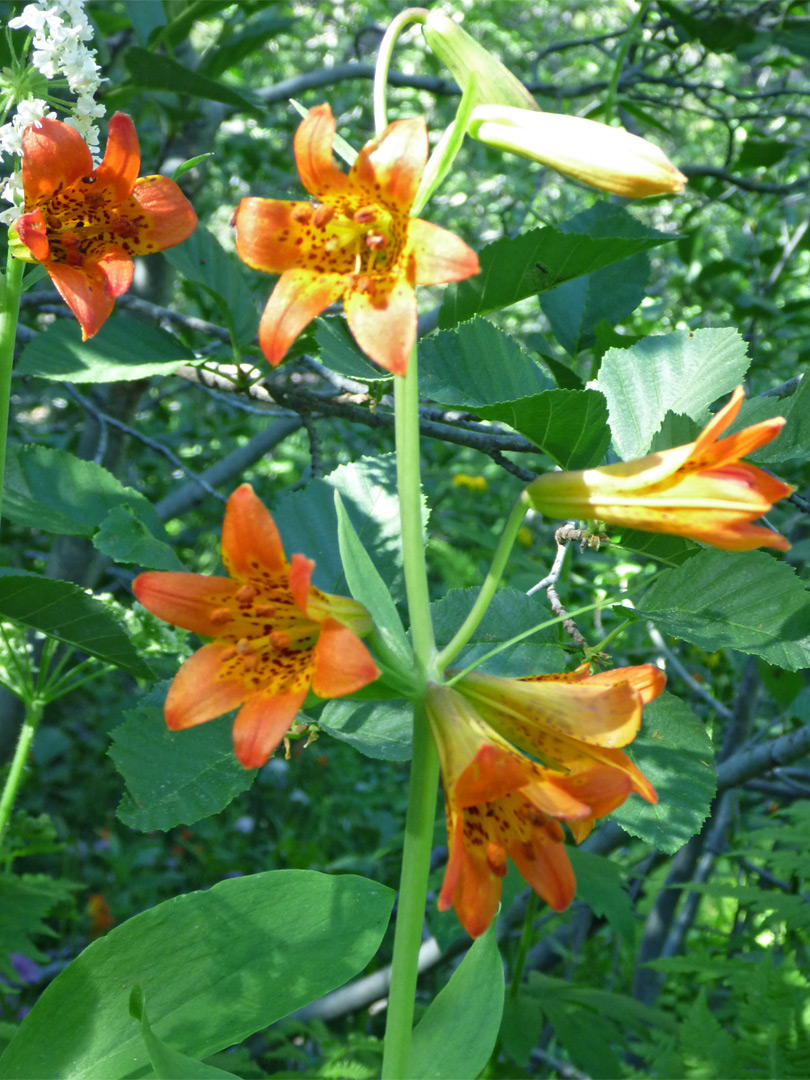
199,693
54,157
250,540
313,154
159,214
117,173
85,294
390,167
186,600
298,297
262,723
382,318
439,256
343,664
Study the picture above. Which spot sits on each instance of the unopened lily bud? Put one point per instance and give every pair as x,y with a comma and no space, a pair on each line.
607,158
493,83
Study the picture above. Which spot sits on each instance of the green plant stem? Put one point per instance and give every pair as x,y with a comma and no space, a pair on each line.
419,824
9,314
398,24
424,778
490,584
629,38
33,715
525,942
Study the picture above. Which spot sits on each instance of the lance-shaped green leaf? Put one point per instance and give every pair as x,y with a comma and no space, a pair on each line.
214,966
168,1064
65,612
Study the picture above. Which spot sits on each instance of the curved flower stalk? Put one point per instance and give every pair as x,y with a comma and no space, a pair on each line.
701,490
275,634
84,224
357,241
502,803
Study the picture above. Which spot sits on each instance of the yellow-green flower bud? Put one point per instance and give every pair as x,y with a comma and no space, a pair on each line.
608,158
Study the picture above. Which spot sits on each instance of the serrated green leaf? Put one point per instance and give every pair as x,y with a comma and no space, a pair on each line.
378,729
737,600
65,612
174,777
59,353
154,71
25,901
793,441
215,967
675,754
337,351
601,884
124,538
457,1034
52,489
683,372
369,589
670,550
512,269
202,259
510,613
577,307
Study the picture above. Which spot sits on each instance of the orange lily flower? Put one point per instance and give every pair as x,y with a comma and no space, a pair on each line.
701,490
275,634
84,224
501,802
357,241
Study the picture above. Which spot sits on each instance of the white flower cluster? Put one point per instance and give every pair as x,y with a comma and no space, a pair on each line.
61,28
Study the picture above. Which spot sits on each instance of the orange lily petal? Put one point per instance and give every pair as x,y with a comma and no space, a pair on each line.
250,540
439,255
114,265
301,581
54,157
544,864
383,321
122,159
270,233
262,723
470,884
32,231
158,216
390,167
86,296
722,419
298,297
646,679
186,600
492,773
199,693
342,662
313,154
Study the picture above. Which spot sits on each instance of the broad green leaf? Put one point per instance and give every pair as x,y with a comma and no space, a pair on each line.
367,587
512,269
737,600
477,364
670,550
675,754
202,259
174,777
59,353
124,538
307,521
601,884
52,489
568,425
378,729
457,1034
683,372
510,613
479,367
167,1063
145,16
65,612
577,307
337,351
793,441
25,901
214,966
153,71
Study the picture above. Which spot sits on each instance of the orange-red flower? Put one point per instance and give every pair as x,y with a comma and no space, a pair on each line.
275,634
701,490
356,241
501,802
84,224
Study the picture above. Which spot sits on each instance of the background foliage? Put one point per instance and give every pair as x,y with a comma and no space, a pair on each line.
685,953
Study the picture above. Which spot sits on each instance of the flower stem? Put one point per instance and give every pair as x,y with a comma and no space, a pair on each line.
525,942
33,714
419,824
421,813
11,288
409,15
490,584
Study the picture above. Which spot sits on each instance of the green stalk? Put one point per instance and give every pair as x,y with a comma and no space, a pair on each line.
490,584
398,24
525,942
33,715
421,813
630,37
9,313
